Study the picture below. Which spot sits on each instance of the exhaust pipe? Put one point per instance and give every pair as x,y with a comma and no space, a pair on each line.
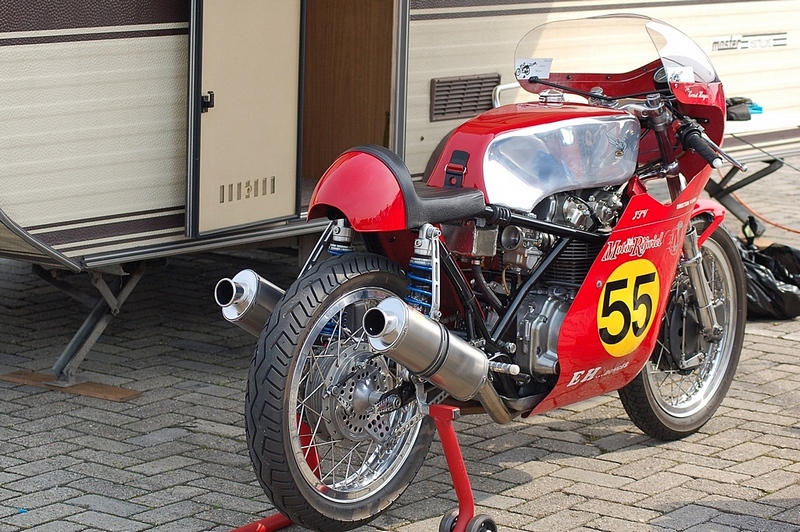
247,300
428,349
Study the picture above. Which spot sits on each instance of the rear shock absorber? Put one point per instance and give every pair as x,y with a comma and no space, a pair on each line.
340,244
341,238
424,273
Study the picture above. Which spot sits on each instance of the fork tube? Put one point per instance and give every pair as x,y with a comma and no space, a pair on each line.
693,265
659,118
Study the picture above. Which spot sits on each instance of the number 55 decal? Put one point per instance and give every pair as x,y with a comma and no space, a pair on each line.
627,306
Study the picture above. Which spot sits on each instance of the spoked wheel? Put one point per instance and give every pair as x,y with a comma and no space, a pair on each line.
328,449
687,376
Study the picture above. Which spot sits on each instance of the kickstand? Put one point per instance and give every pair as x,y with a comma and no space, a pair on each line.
455,520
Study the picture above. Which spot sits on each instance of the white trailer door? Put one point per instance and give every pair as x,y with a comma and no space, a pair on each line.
245,57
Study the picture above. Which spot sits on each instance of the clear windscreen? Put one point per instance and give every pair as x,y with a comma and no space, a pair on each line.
573,53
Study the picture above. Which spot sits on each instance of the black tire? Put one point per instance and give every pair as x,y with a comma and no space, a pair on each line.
449,520
668,402
320,455
481,523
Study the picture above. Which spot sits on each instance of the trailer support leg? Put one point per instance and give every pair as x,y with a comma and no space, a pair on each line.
66,367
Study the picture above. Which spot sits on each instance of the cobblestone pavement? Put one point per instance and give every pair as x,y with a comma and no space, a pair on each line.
175,458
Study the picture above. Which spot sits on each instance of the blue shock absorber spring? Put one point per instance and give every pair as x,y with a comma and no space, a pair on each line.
420,284
333,324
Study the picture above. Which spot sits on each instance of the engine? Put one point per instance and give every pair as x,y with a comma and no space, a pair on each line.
538,324
588,210
516,252
542,312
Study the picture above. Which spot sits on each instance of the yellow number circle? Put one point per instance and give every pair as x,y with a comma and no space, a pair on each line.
627,306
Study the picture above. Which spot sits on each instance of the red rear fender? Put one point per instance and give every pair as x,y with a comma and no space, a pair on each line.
362,186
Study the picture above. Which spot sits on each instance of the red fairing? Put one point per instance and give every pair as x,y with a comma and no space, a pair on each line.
475,135
362,188
641,255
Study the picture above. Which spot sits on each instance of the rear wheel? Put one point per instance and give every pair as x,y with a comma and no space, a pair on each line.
323,451
687,376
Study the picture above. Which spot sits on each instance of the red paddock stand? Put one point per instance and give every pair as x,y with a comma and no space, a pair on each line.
461,519
274,522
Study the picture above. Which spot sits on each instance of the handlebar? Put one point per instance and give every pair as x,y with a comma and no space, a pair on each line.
694,140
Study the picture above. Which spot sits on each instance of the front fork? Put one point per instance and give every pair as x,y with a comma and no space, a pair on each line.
659,118
692,264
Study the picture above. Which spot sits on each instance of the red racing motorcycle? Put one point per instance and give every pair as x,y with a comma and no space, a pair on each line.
557,250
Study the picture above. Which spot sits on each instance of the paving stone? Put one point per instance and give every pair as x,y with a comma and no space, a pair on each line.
107,505
773,480
159,436
620,511
40,482
62,527
754,524
108,522
41,498
657,483
561,521
686,517
166,480
549,504
39,467
155,499
172,512
189,524
51,513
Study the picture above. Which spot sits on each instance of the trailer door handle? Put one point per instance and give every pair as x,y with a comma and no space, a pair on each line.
207,102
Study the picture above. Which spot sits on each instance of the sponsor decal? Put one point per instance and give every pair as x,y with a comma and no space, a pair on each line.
534,67
749,42
627,306
684,204
579,377
634,246
675,239
697,94
680,74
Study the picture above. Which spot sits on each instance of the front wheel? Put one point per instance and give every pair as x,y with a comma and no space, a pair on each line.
687,376
327,455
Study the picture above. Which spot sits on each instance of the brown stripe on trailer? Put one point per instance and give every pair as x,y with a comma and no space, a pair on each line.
109,230
95,36
39,15
452,6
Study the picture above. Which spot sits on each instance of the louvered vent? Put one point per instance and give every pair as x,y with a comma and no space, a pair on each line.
462,97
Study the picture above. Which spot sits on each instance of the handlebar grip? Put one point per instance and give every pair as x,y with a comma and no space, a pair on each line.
693,140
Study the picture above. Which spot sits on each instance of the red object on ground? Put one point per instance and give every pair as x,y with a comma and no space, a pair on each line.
443,416
269,524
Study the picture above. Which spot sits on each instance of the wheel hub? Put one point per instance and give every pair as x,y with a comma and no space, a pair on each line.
687,346
347,393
